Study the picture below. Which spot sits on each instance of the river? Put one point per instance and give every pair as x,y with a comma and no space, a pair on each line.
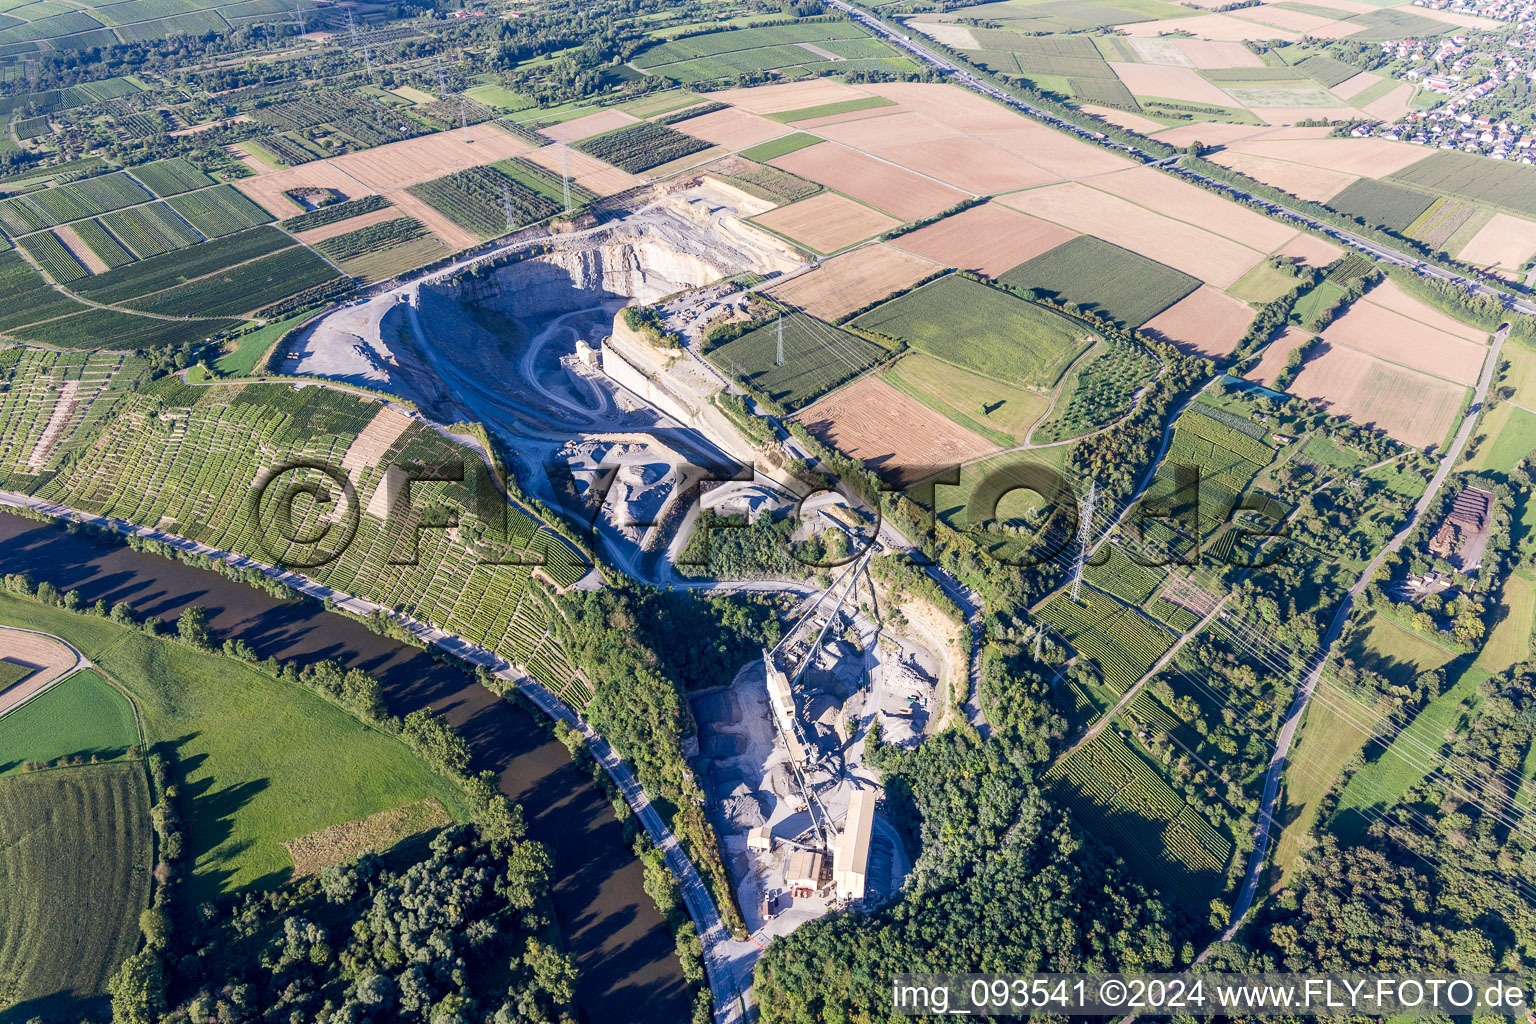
628,969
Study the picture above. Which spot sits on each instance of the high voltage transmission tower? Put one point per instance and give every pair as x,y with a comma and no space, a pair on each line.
1084,537
506,205
565,176
780,360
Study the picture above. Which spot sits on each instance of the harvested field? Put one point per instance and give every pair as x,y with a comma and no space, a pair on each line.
1171,197
341,227
774,99
453,235
1219,27
1206,53
1394,337
267,189
1161,51
732,128
1391,106
378,832
589,125
898,437
1505,242
988,239
919,143
827,222
1125,119
79,250
257,165
852,281
1305,181
1371,158
968,113
1290,115
1207,322
813,123
413,161
1413,407
1390,295
1213,259
1272,362
956,36
1352,87
587,171
899,192
1311,250
46,658
1280,17
1170,83
1209,133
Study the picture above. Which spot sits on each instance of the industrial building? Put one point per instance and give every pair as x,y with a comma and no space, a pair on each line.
850,855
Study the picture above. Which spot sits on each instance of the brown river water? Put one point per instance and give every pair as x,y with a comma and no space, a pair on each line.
629,972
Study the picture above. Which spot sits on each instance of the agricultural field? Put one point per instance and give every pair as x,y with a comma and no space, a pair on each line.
218,211
1118,639
49,253
1104,279
1097,391
477,199
171,177
999,412
782,146
1205,322
853,281
761,181
1412,407
1501,184
76,849
81,715
785,48
243,289
639,147
826,222
817,358
150,230
1382,204
989,239
897,437
1118,795
335,213
983,329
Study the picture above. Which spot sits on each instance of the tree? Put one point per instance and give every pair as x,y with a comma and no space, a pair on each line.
138,989
192,626
156,927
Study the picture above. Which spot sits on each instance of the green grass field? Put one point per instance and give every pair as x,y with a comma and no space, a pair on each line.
997,411
1114,283
1407,761
249,348
75,854
776,148
1262,284
1511,436
828,109
11,674
81,715
983,329
264,761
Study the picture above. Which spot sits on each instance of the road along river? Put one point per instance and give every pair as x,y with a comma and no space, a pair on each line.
629,971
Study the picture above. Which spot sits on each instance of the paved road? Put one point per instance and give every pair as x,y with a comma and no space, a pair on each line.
41,651
1309,684
970,80
721,952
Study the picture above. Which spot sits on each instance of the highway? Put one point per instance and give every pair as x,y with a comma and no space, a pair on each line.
965,77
